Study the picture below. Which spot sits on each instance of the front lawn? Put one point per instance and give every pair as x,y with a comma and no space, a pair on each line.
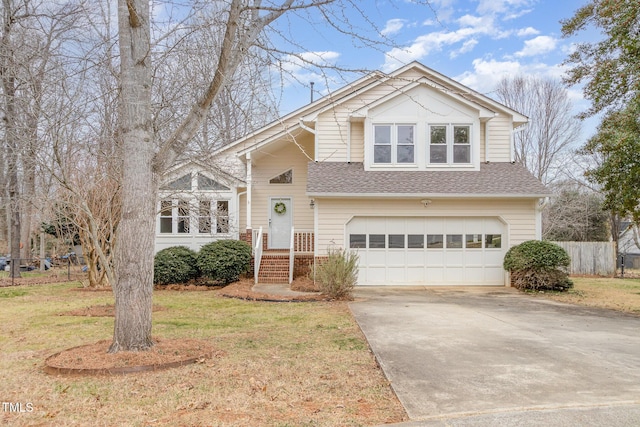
603,292
276,364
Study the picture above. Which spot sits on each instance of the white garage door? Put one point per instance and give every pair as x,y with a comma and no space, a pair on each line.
432,251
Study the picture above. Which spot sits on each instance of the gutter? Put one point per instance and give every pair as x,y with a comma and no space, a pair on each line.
426,195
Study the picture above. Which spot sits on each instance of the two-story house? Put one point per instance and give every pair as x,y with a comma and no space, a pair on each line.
411,169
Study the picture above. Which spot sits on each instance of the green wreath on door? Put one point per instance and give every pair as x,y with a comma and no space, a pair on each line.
280,208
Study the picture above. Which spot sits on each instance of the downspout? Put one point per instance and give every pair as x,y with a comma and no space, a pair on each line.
513,140
312,131
242,193
542,203
349,141
249,184
486,142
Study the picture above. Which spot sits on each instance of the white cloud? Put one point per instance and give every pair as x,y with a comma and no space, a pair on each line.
529,31
393,26
470,28
537,46
466,48
487,73
511,7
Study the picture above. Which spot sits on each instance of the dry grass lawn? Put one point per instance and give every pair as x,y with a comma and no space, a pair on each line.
604,292
277,364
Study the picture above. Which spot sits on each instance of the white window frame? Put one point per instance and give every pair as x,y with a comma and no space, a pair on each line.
393,144
193,216
449,137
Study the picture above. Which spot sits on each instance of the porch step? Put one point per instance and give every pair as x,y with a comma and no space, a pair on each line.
274,268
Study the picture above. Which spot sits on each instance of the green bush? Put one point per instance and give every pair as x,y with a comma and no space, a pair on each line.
176,264
337,275
224,260
538,265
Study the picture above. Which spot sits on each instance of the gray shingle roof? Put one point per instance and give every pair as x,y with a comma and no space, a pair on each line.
493,179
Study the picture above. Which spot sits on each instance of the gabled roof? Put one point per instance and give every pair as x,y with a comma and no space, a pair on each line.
483,111
202,166
339,179
310,111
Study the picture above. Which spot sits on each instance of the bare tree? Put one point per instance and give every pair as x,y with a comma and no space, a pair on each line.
544,144
8,72
575,213
244,24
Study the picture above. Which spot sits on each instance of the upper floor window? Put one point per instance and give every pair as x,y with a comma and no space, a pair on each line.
449,144
283,178
394,144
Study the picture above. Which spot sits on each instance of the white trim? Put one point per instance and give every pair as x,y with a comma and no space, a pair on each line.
376,78
449,142
427,195
249,185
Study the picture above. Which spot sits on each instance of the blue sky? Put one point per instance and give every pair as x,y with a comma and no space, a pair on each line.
475,42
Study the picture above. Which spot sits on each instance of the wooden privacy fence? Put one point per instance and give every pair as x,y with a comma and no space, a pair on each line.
591,258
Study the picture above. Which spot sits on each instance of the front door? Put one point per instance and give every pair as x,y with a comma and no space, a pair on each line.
280,222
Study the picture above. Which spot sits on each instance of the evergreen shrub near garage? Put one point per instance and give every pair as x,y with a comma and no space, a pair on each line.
224,260
176,264
538,265
337,275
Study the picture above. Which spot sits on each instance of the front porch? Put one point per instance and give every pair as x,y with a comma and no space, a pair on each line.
280,265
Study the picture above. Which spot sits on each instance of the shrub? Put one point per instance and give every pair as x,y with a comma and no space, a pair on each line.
337,275
224,260
176,264
538,265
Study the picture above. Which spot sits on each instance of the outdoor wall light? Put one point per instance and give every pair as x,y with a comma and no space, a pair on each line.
312,203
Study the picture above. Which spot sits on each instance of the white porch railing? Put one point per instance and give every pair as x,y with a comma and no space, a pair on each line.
292,254
303,241
257,253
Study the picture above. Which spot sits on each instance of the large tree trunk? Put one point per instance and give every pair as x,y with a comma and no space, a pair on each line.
7,71
136,232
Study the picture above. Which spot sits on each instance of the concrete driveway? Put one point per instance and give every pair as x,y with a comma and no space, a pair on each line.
495,357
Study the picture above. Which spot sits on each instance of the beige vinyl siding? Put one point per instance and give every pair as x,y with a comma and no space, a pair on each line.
500,129
333,215
331,135
270,163
357,145
332,125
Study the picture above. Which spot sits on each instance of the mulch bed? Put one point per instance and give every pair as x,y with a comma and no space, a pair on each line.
242,289
93,359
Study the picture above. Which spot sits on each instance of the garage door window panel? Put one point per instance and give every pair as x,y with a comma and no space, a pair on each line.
493,241
377,241
357,241
415,241
454,241
435,241
473,241
396,241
